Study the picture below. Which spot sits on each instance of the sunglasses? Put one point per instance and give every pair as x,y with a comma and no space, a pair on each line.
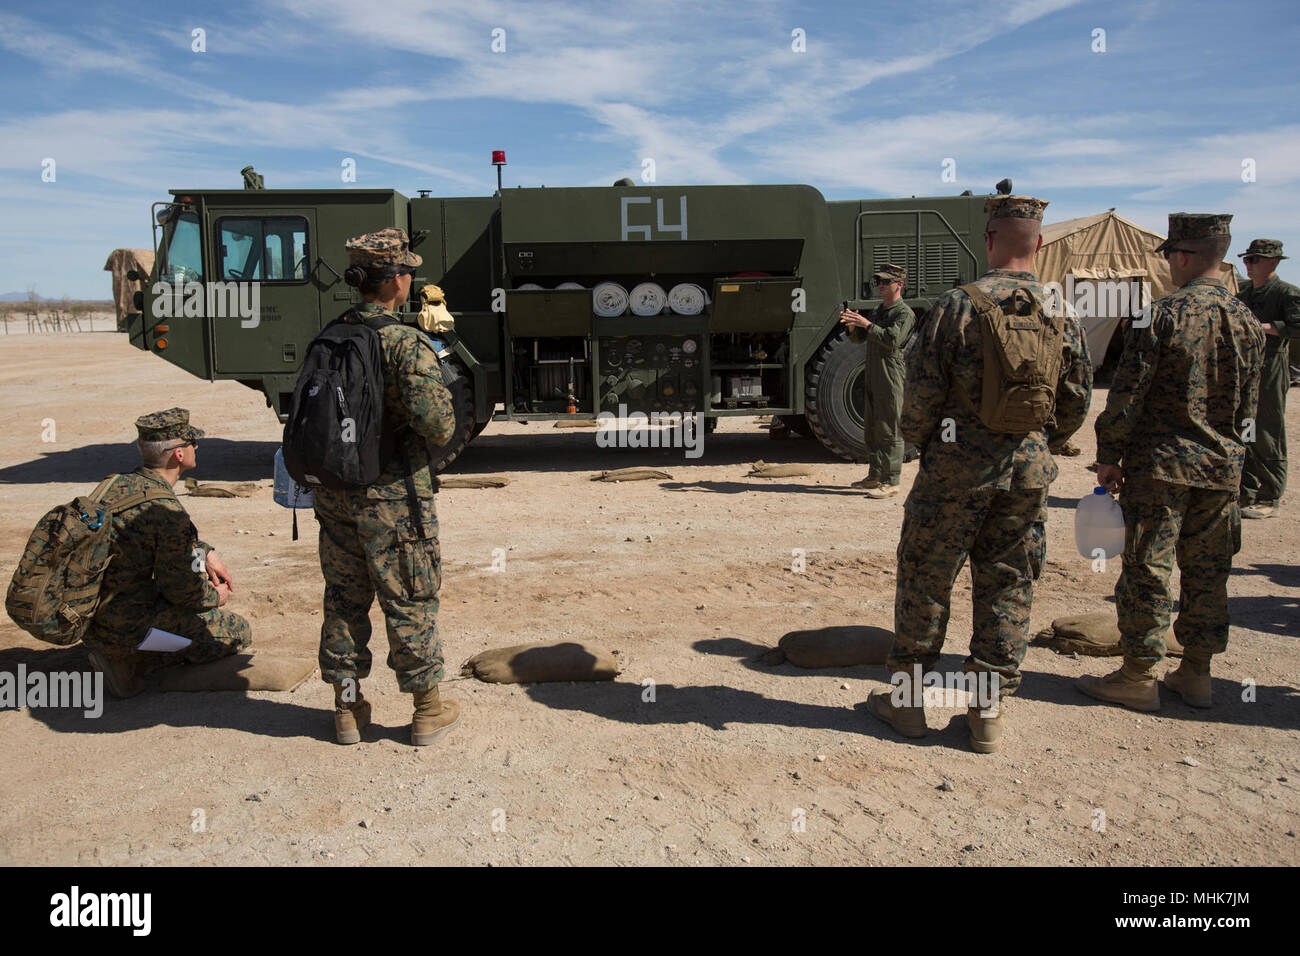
1251,260
880,282
1169,253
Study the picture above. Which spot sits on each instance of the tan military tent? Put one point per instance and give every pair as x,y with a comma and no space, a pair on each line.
1081,254
120,262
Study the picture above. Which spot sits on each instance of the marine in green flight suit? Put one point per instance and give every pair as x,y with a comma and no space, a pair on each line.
1277,306
885,332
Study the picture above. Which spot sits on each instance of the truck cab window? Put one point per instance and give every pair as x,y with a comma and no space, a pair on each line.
265,250
184,262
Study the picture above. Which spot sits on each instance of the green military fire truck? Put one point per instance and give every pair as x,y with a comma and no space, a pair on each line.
520,270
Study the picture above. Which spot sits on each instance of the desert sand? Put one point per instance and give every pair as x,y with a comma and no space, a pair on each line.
690,579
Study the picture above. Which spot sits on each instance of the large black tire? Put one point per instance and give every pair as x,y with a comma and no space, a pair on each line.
833,397
461,386
479,426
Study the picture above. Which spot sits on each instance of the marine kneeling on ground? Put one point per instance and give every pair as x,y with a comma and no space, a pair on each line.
374,502
160,574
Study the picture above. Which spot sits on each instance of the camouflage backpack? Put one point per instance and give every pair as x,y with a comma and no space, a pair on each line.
55,589
1022,361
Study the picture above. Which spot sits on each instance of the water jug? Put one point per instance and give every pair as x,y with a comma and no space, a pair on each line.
1099,525
288,493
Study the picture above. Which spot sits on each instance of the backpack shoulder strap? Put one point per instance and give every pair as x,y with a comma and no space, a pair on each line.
982,301
138,498
101,489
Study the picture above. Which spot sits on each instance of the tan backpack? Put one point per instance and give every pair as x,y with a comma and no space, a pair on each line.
1022,361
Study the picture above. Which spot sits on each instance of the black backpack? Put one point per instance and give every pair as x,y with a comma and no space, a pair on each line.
337,435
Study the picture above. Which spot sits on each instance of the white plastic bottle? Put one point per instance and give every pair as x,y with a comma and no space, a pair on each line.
287,492
1099,525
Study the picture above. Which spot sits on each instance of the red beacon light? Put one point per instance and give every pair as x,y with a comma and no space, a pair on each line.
498,160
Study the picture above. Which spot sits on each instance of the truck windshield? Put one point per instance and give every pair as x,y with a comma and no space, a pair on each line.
184,259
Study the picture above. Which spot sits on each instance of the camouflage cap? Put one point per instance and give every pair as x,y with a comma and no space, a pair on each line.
387,247
888,270
1264,248
1015,207
167,425
1196,225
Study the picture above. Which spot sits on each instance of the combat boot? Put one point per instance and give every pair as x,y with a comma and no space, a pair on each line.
1259,510
433,717
882,491
866,483
120,673
1192,687
1132,686
350,717
985,727
907,719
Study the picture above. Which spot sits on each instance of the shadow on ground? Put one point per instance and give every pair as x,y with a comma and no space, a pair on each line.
218,460
231,710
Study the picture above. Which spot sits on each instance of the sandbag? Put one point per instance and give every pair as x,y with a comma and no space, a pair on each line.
761,469
541,663
242,489
632,474
576,423
239,672
832,647
473,481
1092,635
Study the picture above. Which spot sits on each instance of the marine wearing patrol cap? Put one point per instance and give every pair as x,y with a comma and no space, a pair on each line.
387,247
1196,225
888,270
1264,248
1015,207
167,426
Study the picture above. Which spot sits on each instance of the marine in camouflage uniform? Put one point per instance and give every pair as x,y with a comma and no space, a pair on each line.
1173,425
157,576
979,494
371,542
1277,306
891,327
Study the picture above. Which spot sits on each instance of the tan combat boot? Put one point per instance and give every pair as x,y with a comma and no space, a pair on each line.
433,717
883,491
1132,686
350,718
1192,687
907,719
985,727
866,483
120,672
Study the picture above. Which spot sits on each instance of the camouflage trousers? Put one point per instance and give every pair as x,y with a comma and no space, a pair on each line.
1199,527
215,633
1003,535
369,547
1263,479
882,404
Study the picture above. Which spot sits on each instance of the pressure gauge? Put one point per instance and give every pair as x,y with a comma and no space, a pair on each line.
689,346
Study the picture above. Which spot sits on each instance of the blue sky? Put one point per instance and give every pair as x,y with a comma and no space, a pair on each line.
1160,122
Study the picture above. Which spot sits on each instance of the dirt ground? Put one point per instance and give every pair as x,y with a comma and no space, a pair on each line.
733,762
